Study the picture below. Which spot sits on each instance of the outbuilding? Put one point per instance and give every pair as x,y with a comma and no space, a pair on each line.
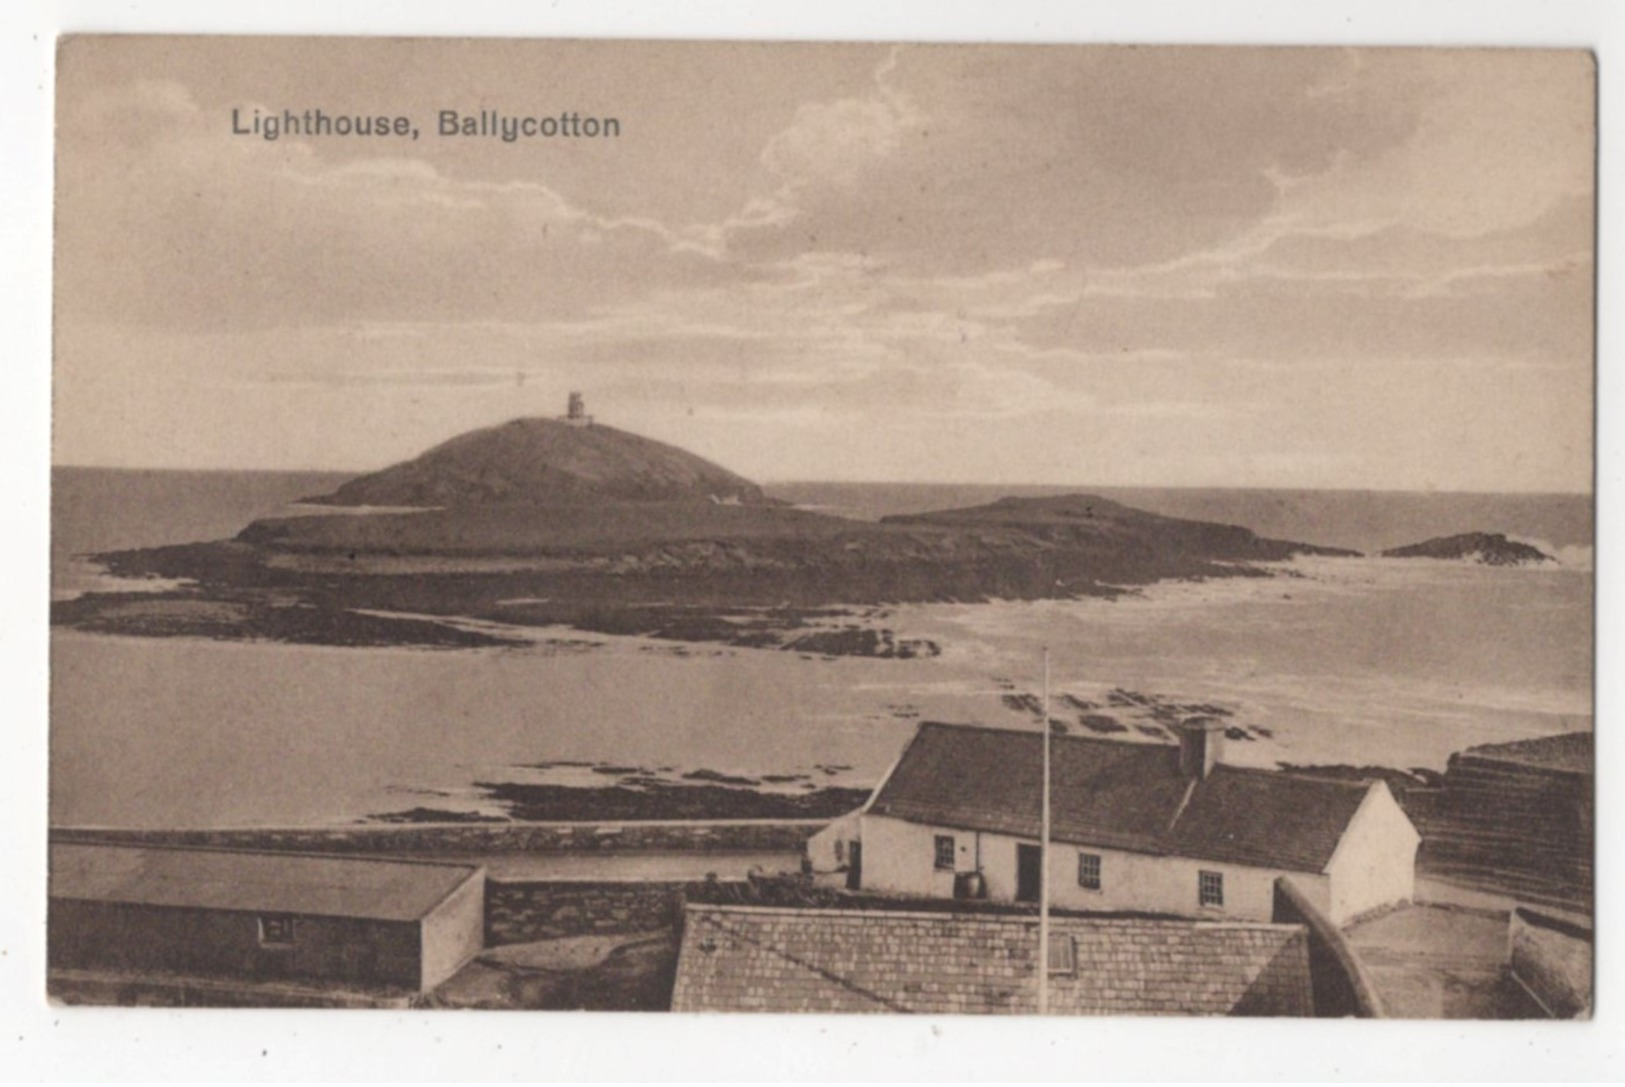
262,916
1134,827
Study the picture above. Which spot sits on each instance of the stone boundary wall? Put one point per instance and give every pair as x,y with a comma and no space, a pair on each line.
464,838
1521,830
1552,960
523,912
1341,985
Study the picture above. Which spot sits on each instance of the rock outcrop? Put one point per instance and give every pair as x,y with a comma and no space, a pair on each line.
1488,548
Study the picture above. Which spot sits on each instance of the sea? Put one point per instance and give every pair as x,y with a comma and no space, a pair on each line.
1333,661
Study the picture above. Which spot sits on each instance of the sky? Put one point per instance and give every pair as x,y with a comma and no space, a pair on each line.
1105,266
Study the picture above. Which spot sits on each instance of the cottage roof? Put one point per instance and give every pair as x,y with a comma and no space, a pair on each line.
268,882
1117,795
840,961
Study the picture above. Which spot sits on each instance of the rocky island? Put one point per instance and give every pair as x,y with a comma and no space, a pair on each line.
542,522
1486,548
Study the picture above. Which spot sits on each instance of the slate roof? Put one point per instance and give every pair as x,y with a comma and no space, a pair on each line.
753,959
268,882
1118,795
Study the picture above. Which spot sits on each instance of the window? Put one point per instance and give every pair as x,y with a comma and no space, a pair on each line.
840,851
945,852
1089,871
1063,956
276,930
1210,888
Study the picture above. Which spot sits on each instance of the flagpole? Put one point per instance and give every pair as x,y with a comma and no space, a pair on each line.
1043,861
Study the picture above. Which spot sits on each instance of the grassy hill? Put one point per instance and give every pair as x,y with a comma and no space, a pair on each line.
546,462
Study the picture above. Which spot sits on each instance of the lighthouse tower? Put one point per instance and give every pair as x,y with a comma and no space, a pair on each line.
576,413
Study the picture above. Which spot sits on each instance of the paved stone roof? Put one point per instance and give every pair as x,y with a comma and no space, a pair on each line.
1117,795
737,958
268,882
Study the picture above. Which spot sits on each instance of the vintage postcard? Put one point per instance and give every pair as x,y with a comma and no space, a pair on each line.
831,528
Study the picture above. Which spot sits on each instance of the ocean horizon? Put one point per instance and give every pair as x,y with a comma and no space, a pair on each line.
91,505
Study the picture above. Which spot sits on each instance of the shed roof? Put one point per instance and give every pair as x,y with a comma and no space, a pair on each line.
268,882
1119,795
842,961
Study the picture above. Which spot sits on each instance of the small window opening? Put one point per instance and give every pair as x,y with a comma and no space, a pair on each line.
1063,956
276,930
1210,888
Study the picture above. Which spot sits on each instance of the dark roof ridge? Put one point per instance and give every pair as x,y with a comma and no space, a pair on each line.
1095,741
241,851
1276,773
1100,741
971,915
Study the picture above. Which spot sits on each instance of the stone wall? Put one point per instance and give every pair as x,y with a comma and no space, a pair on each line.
464,838
518,913
1340,984
1552,959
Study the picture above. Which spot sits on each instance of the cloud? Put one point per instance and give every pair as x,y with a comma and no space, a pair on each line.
836,143
1501,137
1235,256
1111,157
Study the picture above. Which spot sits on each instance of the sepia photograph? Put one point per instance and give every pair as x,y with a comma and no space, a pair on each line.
808,527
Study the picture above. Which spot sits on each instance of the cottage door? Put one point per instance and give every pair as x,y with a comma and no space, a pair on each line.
1029,866
854,866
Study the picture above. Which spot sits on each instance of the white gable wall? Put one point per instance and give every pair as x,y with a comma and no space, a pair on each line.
1375,862
899,858
826,850
454,931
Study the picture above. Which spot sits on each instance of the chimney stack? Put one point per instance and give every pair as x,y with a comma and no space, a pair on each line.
1201,741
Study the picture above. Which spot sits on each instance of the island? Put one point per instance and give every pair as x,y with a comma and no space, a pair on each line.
566,522
1485,548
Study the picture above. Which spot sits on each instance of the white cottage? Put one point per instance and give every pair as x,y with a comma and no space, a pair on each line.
1134,827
